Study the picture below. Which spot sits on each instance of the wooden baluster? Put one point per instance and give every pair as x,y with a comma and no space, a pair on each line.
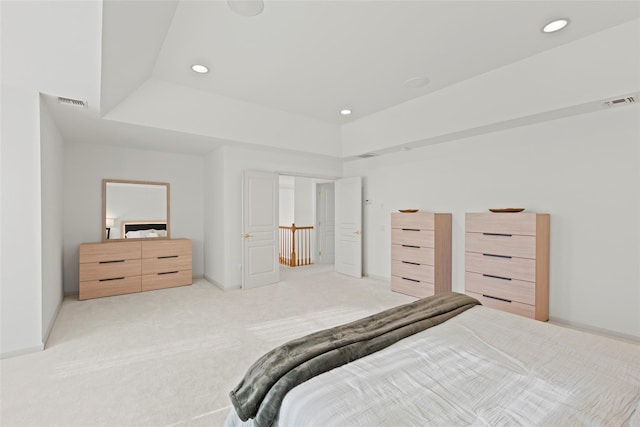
289,248
292,260
308,247
281,245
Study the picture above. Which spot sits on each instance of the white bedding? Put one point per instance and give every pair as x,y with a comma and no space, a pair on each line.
481,368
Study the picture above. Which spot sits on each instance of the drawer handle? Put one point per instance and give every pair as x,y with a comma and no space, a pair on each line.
497,277
168,256
411,246
168,272
499,299
497,234
409,262
110,262
410,229
114,278
411,280
498,256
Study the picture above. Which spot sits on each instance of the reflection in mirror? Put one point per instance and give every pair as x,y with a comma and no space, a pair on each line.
135,209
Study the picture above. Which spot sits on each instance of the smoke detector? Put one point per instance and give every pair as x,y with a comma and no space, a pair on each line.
621,101
72,102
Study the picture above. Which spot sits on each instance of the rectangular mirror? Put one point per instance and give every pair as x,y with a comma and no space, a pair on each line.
134,210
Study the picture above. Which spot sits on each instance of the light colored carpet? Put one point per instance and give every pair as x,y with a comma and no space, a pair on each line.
170,357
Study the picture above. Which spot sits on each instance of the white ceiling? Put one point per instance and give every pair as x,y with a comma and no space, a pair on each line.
316,57
306,58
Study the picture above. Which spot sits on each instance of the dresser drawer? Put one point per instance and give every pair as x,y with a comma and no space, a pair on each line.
422,220
163,248
411,287
110,251
505,223
166,280
107,288
413,254
412,237
525,310
501,244
109,269
165,264
513,290
508,268
421,272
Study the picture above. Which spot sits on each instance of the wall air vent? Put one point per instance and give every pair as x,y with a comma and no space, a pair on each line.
72,102
367,155
621,101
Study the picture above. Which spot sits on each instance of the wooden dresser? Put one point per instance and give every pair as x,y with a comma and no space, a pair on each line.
507,262
420,253
116,268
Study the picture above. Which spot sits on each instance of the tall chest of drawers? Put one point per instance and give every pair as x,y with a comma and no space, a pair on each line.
507,262
116,268
420,253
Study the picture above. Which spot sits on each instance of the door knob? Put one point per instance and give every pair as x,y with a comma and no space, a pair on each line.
247,235
357,232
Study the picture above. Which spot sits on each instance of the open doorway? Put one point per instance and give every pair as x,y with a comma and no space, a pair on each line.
307,221
261,208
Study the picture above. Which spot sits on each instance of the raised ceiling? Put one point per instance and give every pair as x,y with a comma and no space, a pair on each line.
316,57
303,61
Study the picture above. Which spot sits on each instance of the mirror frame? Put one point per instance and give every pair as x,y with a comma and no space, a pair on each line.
104,208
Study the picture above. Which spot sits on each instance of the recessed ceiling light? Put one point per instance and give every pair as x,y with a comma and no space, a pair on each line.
199,68
556,25
417,82
246,7
345,112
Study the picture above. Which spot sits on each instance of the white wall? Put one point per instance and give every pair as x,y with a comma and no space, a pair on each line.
27,70
583,170
215,253
85,167
51,157
237,160
21,252
304,201
286,200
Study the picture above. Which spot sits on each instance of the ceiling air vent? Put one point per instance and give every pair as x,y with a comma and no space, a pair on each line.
72,102
621,101
367,155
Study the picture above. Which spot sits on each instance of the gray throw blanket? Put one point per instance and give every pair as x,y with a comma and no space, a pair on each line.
270,378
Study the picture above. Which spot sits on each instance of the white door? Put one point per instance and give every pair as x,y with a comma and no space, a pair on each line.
326,222
259,229
348,199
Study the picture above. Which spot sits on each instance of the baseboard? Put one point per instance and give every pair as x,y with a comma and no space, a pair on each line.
219,285
45,338
198,276
594,330
375,277
21,352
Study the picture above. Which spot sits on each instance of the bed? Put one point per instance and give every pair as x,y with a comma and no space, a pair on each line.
480,367
143,229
